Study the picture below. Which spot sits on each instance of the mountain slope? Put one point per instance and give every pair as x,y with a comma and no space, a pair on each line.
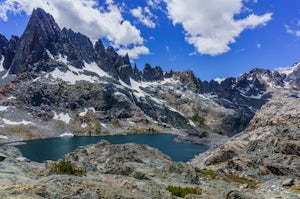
55,80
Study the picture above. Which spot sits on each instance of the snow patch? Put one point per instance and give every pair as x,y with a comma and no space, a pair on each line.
71,76
66,135
192,123
84,125
135,86
93,67
131,123
4,76
219,80
259,96
267,81
120,94
36,79
210,95
169,81
287,70
3,137
74,74
21,159
3,108
86,110
104,125
62,59
62,116
174,110
49,54
1,63
9,122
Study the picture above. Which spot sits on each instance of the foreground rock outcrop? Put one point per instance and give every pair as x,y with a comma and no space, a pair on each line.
112,171
122,171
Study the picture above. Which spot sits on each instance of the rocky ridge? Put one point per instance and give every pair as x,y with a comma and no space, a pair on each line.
56,80
268,149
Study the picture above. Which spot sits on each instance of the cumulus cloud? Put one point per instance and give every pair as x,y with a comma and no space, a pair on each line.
134,52
87,17
211,26
144,15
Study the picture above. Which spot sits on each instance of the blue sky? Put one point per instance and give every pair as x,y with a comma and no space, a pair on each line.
216,38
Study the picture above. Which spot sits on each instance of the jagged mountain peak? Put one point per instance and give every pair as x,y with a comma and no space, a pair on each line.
43,20
3,43
293,76
289,70
39,35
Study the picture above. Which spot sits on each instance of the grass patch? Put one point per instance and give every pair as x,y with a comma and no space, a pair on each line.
209,174
183,191
116,123
232,178
295,189
198,119
68,168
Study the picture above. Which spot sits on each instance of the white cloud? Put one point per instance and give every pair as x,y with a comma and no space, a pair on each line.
85,16
144,15
291,31
210,26
134,52
154,3
193,53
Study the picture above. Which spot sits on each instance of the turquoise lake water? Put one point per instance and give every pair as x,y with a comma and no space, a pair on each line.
54,148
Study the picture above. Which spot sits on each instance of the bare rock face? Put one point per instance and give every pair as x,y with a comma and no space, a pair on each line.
40,34
112,171
9,51
3,43
127,160
293,78
152,74
269,145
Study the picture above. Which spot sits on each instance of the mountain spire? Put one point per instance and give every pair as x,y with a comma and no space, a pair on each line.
39,35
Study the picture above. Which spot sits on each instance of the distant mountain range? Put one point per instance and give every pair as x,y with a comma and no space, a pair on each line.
55,80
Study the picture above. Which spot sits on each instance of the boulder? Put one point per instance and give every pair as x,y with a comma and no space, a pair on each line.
288,182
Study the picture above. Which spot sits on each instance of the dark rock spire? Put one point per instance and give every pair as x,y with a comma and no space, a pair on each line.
40,34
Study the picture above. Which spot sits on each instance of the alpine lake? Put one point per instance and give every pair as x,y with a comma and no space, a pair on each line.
54,148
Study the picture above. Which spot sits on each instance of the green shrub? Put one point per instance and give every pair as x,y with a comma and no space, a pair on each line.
233,178
67,167
183,191
198,119
210,174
